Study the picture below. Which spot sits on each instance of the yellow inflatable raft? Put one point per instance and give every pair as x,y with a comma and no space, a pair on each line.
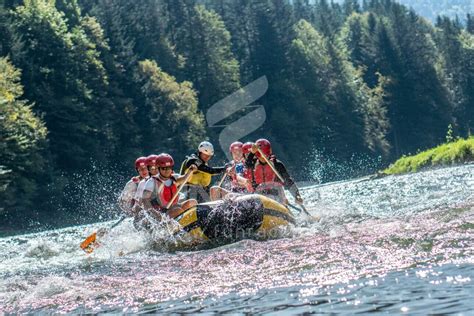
239,218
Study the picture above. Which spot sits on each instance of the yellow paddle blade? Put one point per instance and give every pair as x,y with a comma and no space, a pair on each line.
88,244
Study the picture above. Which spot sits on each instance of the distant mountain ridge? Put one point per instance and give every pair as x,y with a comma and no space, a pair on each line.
431,9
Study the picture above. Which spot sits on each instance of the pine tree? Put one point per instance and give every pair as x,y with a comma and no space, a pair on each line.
422,97
116,107
140,29
303,10
351,6
239,18
470,24
466,82
61,70
71,10
328,18
333,102
22,141
360,36
205,43
310,62
175,125
5,30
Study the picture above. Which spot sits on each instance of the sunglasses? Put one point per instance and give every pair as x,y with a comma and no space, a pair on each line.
166,168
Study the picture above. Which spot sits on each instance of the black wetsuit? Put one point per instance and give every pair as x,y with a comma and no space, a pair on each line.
199,190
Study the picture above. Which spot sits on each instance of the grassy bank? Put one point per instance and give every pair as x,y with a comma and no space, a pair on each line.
451,153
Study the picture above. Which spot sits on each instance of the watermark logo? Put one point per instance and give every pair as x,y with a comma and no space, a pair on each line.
239,100
245,125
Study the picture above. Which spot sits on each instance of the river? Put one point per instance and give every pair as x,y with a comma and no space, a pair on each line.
399,244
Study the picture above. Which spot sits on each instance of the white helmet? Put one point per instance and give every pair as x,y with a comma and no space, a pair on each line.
206,148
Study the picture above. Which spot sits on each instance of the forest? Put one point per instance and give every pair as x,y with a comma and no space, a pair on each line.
87,86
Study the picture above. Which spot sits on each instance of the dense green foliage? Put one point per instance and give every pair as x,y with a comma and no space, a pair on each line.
456,152
171,109
22,137
108,81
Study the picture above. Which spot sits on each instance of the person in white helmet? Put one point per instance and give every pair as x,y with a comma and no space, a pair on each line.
197,186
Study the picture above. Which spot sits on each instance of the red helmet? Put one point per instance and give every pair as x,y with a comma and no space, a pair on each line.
246,147
165,160
151,160
140,162
264,146
235,145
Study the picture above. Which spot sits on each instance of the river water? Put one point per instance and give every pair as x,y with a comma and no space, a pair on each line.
400,244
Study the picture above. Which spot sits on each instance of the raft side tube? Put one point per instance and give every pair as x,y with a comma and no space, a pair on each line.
235,219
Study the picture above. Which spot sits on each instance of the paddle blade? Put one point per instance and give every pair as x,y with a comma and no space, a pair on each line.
88,244
313,218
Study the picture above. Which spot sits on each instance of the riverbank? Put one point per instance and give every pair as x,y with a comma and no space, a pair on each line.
452,153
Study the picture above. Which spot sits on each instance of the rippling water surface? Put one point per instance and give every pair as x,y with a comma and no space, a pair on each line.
397,245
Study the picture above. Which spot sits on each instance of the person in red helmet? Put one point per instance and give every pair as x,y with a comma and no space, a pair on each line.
246,148
265,180
151,163
237,183
161,188
126,199
248,171
235,150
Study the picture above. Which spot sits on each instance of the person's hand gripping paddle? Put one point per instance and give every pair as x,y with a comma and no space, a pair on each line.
313,218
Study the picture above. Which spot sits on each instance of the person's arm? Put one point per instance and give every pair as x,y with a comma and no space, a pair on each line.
205,168
181,179
250,161
244,182
289,182
148,199
211,170
126,198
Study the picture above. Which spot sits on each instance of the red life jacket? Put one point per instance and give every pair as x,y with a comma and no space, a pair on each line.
268,183
165,193
248,174
263,173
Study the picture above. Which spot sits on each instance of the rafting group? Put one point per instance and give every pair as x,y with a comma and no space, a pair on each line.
254,175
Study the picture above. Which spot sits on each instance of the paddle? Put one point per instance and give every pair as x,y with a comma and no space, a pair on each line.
88,245
179,190
222,180
283,180
316,218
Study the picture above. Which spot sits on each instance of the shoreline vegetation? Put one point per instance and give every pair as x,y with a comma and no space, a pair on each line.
451,153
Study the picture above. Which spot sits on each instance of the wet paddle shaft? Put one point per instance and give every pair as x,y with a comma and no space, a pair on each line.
179,190
280,177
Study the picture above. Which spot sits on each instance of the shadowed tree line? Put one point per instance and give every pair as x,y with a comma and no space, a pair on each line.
100,82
